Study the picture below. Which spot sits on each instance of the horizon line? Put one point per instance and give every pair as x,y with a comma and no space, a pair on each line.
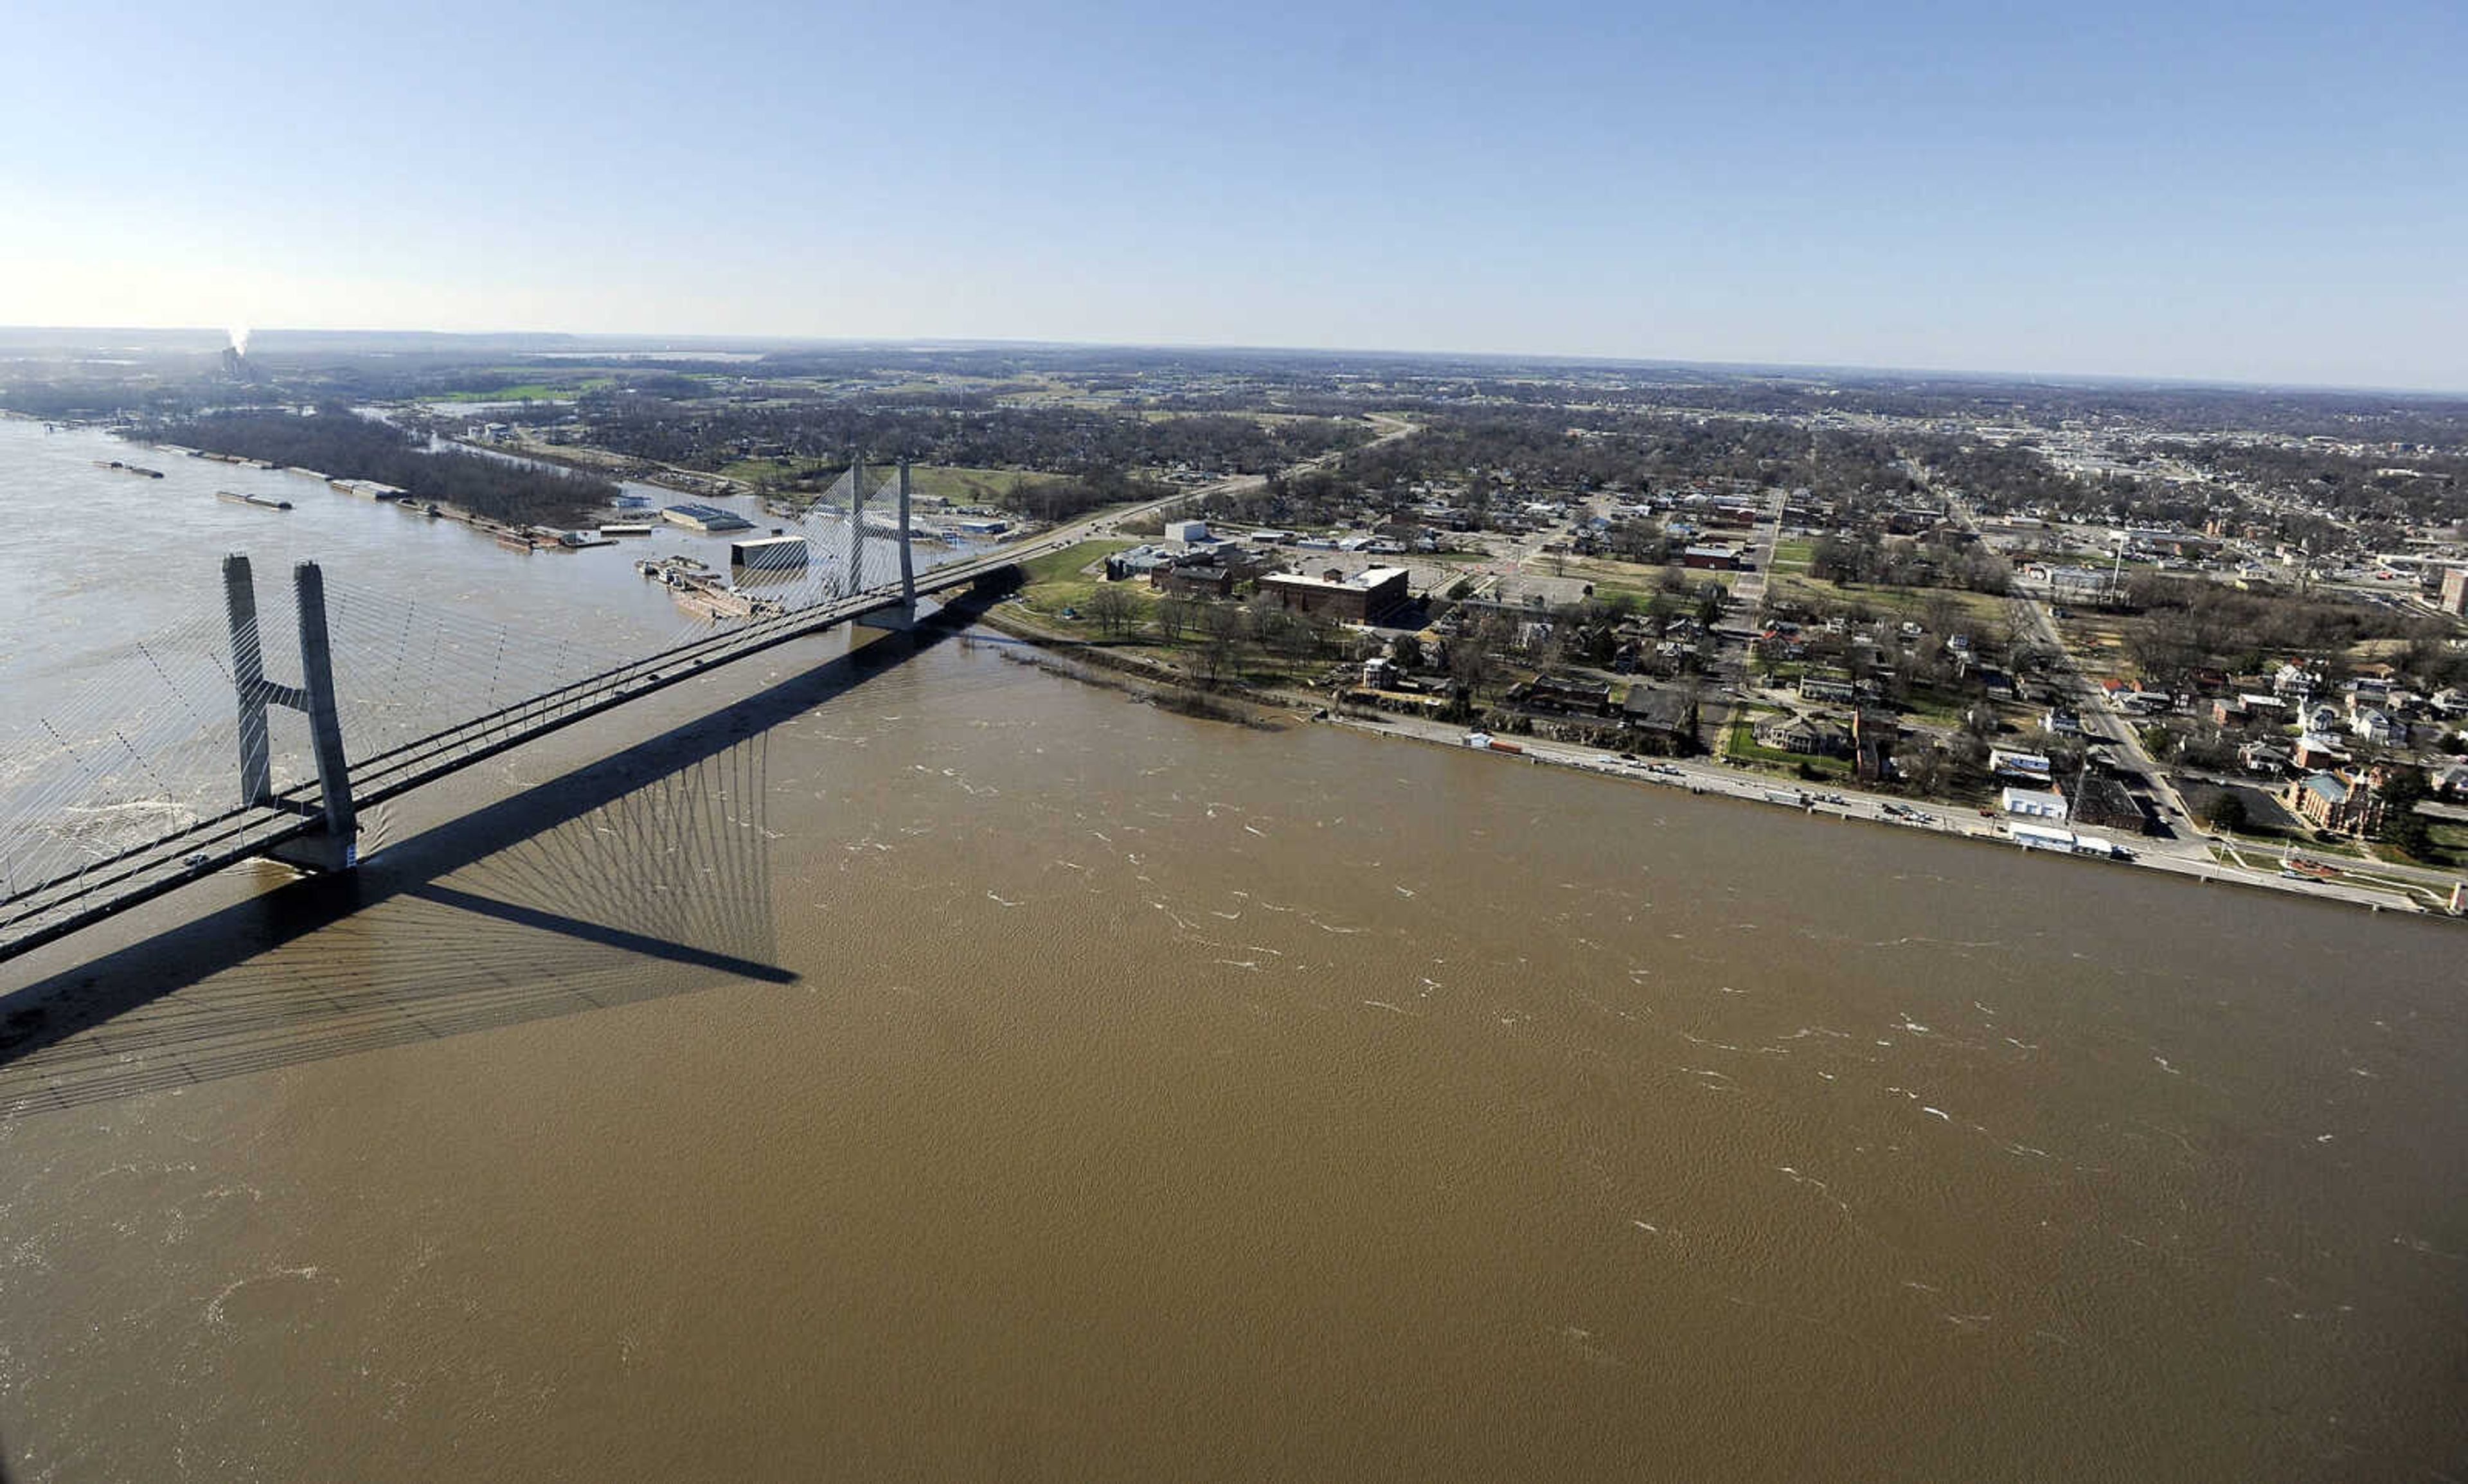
723,340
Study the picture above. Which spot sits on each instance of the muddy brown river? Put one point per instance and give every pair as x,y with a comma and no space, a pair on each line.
937,1069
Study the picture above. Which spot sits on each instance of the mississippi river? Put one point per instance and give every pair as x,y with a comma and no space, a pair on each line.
931,1068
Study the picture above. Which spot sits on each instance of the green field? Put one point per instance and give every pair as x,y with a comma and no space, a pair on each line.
1060,579
530,392
1793,556
939,481
972,485
1065,566
1980,609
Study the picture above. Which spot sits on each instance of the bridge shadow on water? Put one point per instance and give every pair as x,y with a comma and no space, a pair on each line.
641,875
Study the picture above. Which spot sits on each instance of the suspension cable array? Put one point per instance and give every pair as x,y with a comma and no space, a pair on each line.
165,758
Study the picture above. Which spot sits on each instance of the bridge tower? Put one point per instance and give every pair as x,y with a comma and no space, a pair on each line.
334,846
905,615
908,568
855,523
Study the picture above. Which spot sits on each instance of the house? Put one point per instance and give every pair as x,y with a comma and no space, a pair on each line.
1872,737
2336,802
1825,685
2315,751
2449,780
2292,680
2378,728
2321,717
2060,722
2263,757
2035,804
1661,714
1565,692
1815,737
2105,803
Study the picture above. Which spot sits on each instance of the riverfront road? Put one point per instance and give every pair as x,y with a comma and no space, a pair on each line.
2103,722
2184,857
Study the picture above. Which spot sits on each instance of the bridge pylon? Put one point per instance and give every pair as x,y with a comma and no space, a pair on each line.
855,524
334,846
905,617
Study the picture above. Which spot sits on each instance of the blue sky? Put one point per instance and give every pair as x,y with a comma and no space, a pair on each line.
2250,192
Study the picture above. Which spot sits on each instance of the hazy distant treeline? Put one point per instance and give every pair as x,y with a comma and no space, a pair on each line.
962,431
345,446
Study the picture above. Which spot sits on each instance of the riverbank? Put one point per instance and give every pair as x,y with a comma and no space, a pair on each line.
1708,778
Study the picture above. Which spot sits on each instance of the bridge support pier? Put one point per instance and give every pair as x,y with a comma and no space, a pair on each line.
857,525
907,566
335,845
249,680
904,618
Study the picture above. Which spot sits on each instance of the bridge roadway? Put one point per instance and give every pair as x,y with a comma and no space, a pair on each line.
50,910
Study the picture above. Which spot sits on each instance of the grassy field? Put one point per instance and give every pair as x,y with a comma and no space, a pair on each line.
531,391
2096,644
971,486
1613,578
2450,845
1793,556
1980,610
1063,579
941,481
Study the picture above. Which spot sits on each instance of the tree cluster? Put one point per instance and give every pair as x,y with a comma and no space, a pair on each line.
711,433
339,443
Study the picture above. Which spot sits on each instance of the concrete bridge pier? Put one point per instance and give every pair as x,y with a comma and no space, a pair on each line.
904,618
334,846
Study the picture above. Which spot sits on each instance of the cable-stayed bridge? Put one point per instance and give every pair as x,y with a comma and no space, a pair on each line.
196,748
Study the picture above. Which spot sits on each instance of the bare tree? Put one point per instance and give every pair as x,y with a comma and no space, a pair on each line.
1473,666
1222,632
1112,611
1176,616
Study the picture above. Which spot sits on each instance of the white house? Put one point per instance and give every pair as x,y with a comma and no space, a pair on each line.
2377,727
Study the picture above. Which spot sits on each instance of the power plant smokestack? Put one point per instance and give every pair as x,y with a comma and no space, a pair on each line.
235,357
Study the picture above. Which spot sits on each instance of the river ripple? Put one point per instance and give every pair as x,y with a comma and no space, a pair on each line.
942,1071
